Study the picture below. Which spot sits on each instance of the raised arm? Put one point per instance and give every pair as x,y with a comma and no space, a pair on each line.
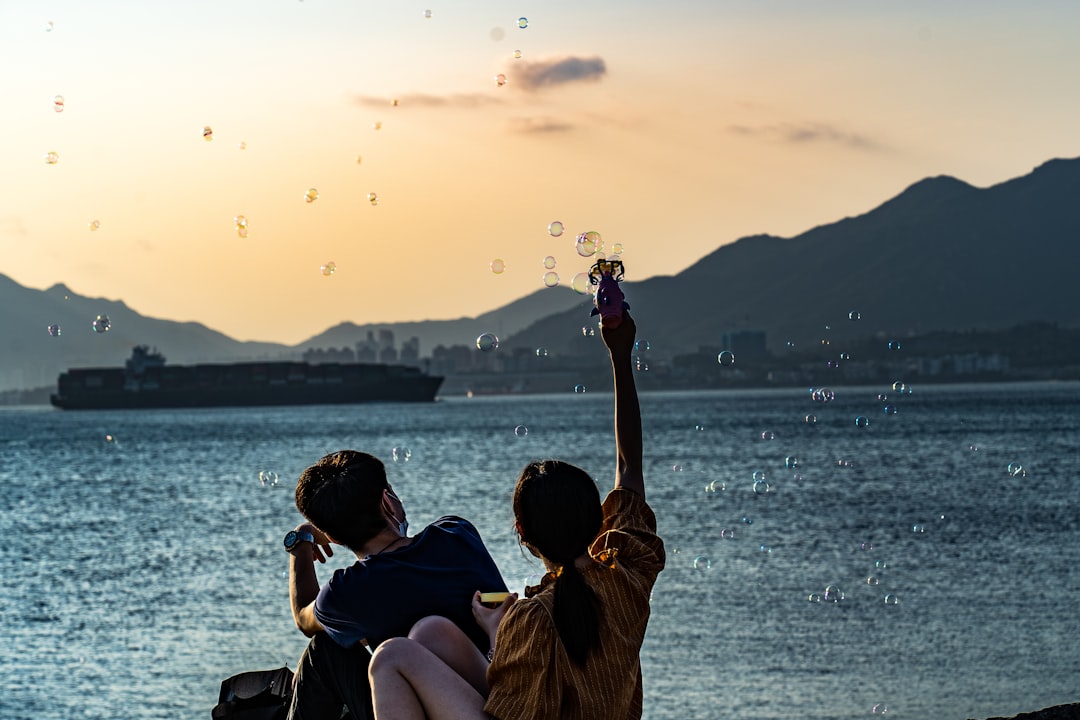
620,343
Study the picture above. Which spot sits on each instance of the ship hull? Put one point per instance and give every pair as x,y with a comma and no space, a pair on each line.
242,385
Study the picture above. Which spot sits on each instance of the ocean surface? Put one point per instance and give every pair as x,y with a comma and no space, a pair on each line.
142,560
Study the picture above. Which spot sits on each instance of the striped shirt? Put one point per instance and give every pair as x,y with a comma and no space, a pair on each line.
532,677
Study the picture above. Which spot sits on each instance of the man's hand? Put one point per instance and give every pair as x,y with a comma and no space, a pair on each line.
321,549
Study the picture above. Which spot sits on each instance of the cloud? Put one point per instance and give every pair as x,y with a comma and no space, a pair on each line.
532,125
12,225
559,71
428,101
805,133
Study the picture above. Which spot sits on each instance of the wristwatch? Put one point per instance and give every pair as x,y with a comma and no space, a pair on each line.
293,538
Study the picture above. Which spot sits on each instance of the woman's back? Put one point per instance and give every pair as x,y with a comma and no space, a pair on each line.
532,676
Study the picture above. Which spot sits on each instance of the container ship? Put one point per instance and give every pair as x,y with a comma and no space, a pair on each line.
146,381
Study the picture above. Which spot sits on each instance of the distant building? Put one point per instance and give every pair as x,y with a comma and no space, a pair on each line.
746,344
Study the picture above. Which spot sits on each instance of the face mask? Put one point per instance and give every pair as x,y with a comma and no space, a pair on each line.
402,524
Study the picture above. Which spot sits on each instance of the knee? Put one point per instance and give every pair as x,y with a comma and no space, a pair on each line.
430,630
389,656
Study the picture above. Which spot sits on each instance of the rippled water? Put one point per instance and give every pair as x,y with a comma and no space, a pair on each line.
141,571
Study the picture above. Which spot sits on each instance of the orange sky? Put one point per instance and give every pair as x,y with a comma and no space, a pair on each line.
669,128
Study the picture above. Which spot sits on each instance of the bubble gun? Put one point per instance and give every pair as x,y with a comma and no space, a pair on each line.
609,301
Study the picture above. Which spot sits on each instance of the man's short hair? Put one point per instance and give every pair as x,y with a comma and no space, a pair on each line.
341,494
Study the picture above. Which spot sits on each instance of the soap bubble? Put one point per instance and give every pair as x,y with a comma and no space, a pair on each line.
699,428
918,528
1016,470
52,157
94,225
898,386
549,262
881,564
588,243
579,388
497,266
641,365
401,454
54,330
101,324
893,345
373,198
49,26
241,225
377,125
581,283
758,475
268,478
521,431
746,520
791,462
617,248
814,597
882,397
588,330
811,419
727,534
832,594
427,14
768,435
311,195
555,228
879,709
888,409
486,342
500,79
242,145
676,468
516,54
642,345
702,562
861,422
110,439
718,486
892,600
207,133
854,315
761,487
726,358
872,580
551,278
328,269
523,22
541,352
58,103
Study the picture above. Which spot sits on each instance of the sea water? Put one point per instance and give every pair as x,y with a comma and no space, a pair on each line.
831,569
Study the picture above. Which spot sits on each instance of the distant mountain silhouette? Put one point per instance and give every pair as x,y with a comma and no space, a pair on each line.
941,255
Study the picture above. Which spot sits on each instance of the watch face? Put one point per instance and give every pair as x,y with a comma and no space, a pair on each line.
290,539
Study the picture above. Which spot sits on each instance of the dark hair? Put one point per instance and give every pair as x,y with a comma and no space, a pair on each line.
557,509
341,495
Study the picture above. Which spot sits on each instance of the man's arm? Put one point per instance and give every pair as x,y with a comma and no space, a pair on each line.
303,583
620,344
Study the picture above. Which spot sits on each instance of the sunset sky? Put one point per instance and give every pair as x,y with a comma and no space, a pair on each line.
669,127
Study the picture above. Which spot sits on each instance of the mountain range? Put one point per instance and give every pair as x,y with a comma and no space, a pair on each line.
941,255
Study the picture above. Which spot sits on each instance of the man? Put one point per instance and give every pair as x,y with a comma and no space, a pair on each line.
396,580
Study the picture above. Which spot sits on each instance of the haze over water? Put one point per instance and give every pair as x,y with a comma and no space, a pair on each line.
143,570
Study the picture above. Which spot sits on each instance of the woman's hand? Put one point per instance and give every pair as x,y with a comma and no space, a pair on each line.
489,618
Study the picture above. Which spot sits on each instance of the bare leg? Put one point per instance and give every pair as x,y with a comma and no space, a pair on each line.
409,682
453,647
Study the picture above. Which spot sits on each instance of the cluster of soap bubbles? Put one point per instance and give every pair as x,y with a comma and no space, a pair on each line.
101,324
486,342
822,395
328,268
268,478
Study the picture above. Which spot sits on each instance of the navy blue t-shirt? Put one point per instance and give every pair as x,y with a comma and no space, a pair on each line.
383,596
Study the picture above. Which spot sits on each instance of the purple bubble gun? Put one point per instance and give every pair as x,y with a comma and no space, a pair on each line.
605,275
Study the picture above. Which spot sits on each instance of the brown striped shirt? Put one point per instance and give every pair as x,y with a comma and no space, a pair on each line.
532,677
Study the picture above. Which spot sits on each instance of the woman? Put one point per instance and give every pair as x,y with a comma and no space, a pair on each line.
570,649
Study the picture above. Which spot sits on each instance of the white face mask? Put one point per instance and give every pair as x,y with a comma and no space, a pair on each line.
403,523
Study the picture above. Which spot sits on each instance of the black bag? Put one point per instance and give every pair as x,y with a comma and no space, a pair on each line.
256,695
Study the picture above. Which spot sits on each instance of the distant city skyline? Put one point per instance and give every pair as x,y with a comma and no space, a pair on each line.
670,128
